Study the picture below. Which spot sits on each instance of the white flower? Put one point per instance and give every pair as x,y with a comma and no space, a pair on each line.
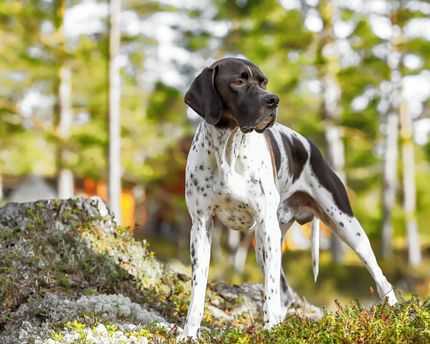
100,329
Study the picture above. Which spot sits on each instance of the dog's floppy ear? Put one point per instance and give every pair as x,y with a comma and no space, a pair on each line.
203,98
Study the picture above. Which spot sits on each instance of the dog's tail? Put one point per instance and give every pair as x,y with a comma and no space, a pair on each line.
315,246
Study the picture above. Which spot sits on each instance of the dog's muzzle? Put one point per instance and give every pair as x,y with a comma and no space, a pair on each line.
271,101
267,115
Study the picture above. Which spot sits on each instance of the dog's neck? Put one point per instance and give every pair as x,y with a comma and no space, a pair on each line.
228,144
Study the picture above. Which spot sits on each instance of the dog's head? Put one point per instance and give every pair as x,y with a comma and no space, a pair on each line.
232,93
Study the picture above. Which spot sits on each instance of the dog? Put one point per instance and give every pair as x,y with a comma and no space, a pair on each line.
255,174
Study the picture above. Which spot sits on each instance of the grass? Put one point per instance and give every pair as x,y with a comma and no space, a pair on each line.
408,322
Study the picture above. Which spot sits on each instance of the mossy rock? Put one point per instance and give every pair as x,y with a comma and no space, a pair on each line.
69,249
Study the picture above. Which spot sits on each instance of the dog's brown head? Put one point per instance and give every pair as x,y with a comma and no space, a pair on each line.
232,93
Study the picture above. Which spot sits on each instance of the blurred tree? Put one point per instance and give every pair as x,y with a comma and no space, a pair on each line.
389,78
63,104
165,43
276,40
31,63
400,114
24,94
403,16
114,185
391,132
327,63
409,188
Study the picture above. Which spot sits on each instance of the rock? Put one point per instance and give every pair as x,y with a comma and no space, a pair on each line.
51,249
58,214
63,259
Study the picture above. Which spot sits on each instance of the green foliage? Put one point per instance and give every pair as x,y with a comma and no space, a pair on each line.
34,52
408,322
155,129
163,102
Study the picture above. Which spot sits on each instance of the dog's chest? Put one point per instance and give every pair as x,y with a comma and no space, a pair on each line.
239,201
242,169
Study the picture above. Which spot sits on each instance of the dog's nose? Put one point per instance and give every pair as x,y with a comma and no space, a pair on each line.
271,100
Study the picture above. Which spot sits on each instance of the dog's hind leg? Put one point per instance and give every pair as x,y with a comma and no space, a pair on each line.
350,231
347,227
200,245
333,207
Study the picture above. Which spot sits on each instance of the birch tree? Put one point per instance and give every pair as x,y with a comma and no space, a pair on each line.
399,115
114,184
408,181
328,58
391,135
65,184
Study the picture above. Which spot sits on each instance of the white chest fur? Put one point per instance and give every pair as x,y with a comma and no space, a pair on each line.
230,172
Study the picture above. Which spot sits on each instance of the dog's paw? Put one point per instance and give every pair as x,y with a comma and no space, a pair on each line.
386,293
273,318
391,298
187,336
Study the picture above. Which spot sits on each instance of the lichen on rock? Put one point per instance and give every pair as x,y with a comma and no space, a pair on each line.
60,250
67,270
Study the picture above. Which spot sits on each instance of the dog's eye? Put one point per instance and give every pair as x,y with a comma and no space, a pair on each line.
238,82
264,83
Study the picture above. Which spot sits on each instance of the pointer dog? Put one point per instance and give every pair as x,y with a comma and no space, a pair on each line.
255,174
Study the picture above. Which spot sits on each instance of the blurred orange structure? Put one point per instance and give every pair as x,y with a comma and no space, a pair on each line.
92,187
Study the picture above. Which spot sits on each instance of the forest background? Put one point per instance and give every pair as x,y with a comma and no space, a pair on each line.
353,76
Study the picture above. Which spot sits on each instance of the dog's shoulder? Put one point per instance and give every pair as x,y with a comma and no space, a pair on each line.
289,146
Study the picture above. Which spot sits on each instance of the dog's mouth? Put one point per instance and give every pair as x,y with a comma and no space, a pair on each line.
266,122
246,130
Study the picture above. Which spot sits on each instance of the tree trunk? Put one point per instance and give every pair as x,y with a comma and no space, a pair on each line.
114,185
390,182
409,189
335,149
329,53
391,133
65,182
238,244
234,239
242,252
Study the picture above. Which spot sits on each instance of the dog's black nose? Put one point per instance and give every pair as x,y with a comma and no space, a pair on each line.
271,100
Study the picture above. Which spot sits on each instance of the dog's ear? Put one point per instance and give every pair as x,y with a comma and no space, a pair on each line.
203,98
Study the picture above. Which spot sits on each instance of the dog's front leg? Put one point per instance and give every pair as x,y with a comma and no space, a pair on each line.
200,245
268,250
